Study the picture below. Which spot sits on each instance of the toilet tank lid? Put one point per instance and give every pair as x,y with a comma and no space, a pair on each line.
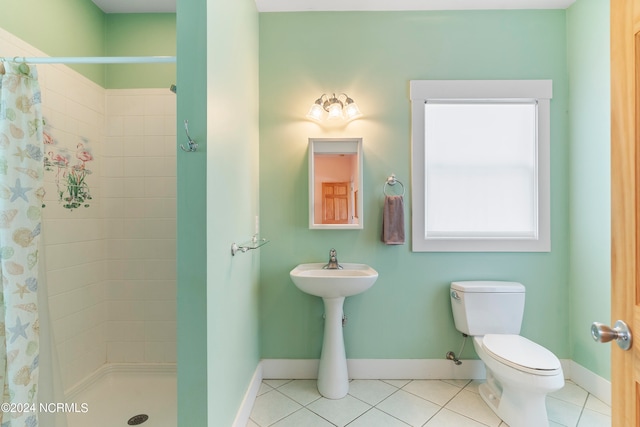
480,286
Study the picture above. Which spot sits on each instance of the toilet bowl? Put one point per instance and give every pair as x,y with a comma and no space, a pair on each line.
520,373
516,389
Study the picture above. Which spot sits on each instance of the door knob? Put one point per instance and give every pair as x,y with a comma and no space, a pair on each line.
620,333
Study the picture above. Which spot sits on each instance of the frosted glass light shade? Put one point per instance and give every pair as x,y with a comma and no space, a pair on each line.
316,112
351,111
335,111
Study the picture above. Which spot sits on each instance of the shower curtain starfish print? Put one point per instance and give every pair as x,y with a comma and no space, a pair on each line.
21,194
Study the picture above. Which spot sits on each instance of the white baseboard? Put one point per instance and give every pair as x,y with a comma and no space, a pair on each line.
299,369
399,369
242,417
416,369
594,384
379,369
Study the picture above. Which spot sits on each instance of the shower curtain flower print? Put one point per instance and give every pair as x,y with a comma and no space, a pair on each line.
21,194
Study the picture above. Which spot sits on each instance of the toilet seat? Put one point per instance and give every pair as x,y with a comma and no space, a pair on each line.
522,354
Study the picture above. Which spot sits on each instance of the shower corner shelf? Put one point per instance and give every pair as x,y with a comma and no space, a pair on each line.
254,243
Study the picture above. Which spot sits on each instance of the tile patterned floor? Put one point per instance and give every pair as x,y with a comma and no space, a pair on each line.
402,403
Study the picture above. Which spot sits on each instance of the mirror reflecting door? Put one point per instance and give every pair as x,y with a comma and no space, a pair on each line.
335,183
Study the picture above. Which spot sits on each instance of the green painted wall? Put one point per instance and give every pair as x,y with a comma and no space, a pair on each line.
232,177
590,211
140,34
192,216
59,28
372,56
80,28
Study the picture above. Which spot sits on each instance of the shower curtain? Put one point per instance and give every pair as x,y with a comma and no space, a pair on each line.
21,194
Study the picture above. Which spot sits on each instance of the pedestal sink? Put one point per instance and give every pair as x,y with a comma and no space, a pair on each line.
333,286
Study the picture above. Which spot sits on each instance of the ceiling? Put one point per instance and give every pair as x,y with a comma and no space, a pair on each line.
164,6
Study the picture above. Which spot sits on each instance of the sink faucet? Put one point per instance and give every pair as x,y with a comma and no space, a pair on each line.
333,261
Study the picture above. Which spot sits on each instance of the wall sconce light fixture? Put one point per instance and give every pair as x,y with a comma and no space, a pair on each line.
334,108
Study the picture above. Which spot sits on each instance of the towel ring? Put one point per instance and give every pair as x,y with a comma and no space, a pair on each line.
391,181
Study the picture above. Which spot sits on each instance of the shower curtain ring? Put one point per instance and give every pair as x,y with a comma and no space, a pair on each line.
192,145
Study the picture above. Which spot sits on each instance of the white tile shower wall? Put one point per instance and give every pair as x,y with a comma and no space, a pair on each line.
73,108
75,246
139,197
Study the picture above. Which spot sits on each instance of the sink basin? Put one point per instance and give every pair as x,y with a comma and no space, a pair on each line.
351,280
333,286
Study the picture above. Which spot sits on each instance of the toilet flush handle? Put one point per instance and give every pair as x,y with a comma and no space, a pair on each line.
620,333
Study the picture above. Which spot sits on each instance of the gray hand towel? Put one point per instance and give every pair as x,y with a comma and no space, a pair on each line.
393,220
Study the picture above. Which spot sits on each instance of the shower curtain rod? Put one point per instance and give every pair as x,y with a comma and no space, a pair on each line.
94,59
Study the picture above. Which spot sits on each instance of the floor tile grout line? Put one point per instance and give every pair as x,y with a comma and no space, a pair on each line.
605,414
595,410
287,397
466,387
329,421
292,399
385,412
457,413
430,401
369,410
584,405
315,413
373,406
397,389
465,415
333,424
440,407
433,416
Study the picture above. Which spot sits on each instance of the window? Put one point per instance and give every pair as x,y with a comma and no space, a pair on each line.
480,157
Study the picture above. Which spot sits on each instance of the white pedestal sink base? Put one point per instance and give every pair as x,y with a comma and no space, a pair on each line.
333,378
333,285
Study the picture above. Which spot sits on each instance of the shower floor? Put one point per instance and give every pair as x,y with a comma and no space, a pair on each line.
118,396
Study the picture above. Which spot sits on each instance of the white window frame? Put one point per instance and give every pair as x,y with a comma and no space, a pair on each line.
423,90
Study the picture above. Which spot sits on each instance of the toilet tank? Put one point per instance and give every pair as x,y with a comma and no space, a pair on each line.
487,307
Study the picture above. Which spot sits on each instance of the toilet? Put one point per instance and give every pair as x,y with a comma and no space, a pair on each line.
520,372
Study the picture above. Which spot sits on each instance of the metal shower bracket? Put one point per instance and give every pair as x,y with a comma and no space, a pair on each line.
192,145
